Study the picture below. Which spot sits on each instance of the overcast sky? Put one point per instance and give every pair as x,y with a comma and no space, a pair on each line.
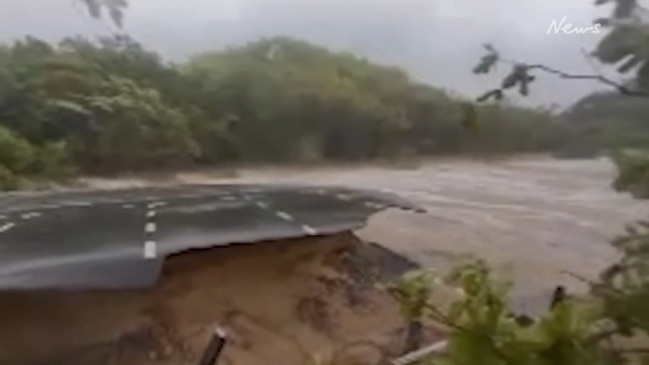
436,41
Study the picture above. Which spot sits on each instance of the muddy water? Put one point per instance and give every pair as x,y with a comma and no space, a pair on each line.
533,218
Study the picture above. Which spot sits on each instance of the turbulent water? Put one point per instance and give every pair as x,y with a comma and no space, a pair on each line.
538,220
534,218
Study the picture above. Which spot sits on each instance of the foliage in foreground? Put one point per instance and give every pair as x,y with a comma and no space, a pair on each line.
576,331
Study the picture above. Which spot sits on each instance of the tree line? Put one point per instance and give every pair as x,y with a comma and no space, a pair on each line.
111,105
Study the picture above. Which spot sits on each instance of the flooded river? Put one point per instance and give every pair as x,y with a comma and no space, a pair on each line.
533,218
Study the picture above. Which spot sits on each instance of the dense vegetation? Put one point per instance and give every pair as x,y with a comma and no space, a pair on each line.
111,106
606,121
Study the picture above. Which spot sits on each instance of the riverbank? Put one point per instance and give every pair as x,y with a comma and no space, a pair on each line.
284,300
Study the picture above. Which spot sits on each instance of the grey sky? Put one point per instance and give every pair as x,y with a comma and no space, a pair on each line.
437,41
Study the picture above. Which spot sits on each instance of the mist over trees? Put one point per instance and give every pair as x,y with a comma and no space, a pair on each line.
111,105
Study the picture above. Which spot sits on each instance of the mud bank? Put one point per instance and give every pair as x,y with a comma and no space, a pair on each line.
280,302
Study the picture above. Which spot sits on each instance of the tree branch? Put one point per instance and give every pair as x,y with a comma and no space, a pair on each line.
566,75
600,78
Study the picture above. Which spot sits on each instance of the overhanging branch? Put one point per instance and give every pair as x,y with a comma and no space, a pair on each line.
600,78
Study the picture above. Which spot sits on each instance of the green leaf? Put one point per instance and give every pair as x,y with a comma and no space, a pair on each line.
496,94
490,48
486,64
510,81
535,336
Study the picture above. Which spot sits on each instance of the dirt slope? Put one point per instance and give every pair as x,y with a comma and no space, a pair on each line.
280,302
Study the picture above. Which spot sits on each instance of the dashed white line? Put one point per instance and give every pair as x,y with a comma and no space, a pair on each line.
150,250
285,216
30,215
344,197
150,227
373,205
151,213
309,230
262,205
128,206
6,227
78,204
229,198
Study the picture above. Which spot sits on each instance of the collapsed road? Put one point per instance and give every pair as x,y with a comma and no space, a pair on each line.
120,238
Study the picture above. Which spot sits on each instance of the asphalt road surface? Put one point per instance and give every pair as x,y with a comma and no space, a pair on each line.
120,238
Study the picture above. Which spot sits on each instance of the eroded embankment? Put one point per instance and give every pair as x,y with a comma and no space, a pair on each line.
280,302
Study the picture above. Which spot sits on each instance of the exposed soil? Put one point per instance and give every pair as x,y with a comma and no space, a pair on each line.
283,301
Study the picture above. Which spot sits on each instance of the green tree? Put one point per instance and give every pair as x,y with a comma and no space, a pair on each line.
112,105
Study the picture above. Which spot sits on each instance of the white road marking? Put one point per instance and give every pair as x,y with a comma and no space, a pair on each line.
150,227
78,204
151,213
262,205
309,230
3,217
373,205
344,197
6,227
229,198
128,206
285,216
320,191
150,250
30,215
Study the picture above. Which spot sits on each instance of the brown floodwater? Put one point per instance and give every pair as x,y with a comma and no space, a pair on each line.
533,218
